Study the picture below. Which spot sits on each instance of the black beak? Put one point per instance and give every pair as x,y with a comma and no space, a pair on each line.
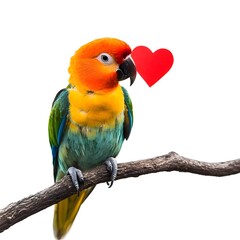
126,70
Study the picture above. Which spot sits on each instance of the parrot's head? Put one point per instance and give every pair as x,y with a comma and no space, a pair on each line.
101,64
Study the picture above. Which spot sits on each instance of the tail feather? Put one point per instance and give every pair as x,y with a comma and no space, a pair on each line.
66,211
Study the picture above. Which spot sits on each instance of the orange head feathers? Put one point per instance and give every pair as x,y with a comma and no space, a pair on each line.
95,65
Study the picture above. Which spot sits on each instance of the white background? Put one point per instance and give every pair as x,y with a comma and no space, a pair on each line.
193,110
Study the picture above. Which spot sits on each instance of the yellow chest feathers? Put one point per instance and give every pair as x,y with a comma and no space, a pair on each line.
94,109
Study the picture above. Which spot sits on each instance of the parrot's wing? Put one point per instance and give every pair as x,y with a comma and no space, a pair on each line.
67,209
57,123
128,114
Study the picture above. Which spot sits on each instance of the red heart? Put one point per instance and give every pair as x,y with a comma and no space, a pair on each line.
152,66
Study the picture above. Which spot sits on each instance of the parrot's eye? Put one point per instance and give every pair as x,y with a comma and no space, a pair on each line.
105,58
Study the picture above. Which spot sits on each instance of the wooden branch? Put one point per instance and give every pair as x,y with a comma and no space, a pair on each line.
26,207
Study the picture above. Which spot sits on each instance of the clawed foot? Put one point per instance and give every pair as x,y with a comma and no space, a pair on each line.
111,164
76,176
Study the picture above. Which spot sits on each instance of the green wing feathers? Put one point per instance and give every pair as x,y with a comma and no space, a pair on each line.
128,114
57,123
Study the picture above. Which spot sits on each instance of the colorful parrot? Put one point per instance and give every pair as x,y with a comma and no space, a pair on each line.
90,119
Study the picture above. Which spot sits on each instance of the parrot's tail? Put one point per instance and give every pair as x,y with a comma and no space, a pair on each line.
66,211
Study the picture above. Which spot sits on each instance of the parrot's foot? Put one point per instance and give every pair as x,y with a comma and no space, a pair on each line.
76,176
111,164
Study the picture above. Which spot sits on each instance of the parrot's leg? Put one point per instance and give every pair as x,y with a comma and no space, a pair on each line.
76,176
111,164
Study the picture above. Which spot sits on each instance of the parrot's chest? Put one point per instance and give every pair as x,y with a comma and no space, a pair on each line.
96,109
86,147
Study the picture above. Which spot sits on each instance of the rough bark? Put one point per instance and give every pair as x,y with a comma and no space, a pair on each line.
28,206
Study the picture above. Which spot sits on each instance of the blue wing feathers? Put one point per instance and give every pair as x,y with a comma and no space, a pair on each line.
61,129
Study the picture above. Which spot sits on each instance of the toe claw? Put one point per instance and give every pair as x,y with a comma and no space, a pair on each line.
76,176
111,164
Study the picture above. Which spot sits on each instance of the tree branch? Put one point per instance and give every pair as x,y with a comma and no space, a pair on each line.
26,207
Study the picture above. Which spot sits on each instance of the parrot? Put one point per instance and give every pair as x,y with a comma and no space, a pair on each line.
90,119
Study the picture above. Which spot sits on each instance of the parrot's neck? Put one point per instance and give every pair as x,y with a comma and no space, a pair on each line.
96,109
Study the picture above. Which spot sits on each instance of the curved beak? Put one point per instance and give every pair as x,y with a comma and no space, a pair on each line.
126,70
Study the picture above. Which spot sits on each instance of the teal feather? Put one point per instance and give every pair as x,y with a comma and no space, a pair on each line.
82,152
